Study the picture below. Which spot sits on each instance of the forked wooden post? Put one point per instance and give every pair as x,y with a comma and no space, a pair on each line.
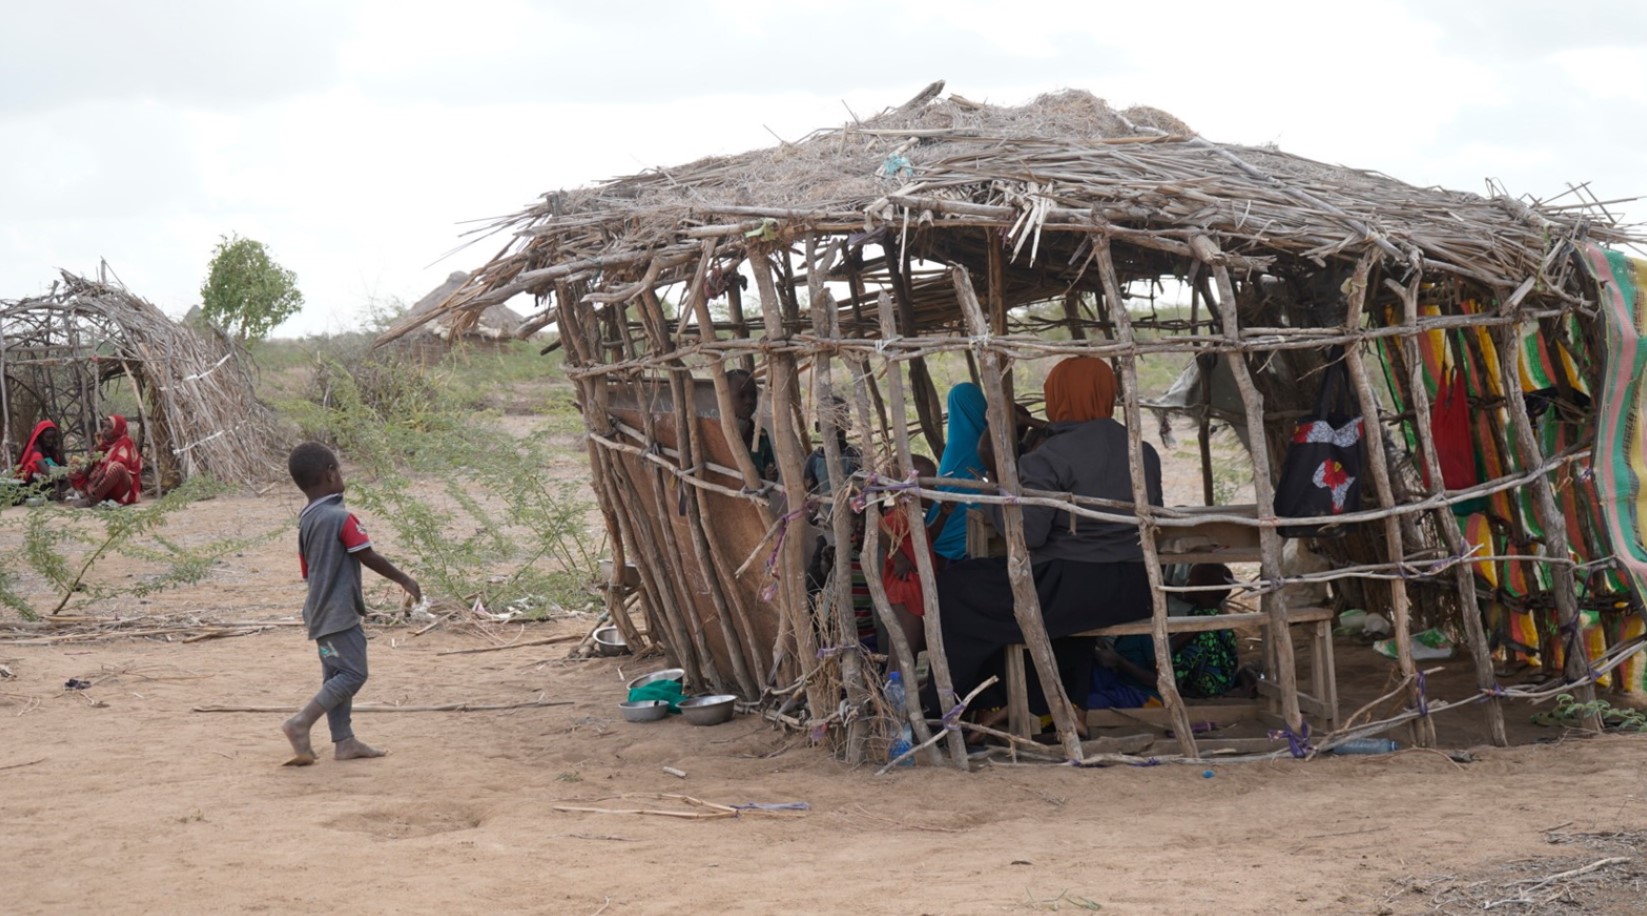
1166,681
931,621
1026,604
1372,430
1263,486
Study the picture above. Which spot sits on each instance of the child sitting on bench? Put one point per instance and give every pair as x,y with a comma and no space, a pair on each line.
1205,664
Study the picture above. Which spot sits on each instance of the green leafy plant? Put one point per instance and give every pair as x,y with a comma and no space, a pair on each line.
499,530
60,547
1570,712
246,292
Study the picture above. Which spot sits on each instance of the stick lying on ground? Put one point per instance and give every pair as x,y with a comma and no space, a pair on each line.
368,707
514,645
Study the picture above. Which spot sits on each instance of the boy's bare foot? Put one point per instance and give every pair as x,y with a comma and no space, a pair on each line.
354,748
303,753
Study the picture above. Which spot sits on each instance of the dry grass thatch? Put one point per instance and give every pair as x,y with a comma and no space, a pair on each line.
1066,159
197,407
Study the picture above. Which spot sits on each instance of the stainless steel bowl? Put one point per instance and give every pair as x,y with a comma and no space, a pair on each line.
709,710
643,710
667,674
608,641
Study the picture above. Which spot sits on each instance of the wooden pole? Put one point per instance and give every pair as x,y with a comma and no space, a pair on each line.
7,455
931,621
856,280
657,597
577,356
871,559
783,385
1575,657
1072,315
928,407
1418,398
840,587
652,318
1263,484
1166,681
1423,729
1026,604
740,327
1203,427
690,459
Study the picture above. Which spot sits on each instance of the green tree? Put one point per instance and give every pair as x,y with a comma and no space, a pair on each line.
246,293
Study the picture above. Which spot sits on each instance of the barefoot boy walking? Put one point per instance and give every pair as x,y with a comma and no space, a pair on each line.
332,547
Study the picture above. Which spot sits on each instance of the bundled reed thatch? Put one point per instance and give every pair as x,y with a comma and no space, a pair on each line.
863,243
197,409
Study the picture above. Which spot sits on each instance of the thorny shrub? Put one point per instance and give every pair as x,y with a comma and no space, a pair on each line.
502,531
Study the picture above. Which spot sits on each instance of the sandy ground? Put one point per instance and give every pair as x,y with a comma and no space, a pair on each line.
121,799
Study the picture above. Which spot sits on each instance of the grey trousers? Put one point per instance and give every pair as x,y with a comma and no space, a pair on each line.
343,673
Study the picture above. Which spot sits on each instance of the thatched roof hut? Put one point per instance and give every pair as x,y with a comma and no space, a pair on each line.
442,329
926,228
91,347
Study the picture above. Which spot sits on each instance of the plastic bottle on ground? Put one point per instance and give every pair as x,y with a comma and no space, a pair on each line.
1367,746
905,738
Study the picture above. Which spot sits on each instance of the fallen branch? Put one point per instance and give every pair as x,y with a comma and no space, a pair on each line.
27,763
216,634
1593,866
941,733
713,811
514,645
450,707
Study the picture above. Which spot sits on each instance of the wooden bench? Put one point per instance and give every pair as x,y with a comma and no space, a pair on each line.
1208,541
1321,700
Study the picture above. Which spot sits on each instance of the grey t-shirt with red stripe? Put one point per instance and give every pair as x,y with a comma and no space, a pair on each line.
328,538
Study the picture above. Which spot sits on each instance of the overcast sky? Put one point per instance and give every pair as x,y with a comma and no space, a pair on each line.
356,138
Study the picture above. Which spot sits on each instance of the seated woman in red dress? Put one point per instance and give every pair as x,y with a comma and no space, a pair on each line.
118,474
42,454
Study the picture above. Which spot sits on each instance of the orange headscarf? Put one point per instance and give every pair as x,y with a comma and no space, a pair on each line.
1079,389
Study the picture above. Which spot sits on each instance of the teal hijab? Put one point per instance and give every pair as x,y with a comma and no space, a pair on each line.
967,422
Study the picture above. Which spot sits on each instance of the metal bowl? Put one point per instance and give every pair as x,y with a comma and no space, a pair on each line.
608,641
643,710
709,710
667,674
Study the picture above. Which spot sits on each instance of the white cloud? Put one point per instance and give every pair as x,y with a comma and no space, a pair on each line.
357,139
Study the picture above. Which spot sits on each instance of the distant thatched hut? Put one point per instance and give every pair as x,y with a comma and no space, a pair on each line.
90,347
438,331
926,228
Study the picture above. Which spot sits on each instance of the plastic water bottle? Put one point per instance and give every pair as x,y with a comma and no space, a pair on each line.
1368,746
906,738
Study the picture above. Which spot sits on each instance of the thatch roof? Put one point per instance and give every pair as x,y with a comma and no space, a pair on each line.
199,409
1066,160
499,322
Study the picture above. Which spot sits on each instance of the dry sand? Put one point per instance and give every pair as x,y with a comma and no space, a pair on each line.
121,799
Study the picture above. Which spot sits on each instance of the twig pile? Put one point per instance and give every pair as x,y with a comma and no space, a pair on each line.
1591,884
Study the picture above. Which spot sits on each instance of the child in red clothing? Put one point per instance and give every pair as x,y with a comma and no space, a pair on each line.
899,575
